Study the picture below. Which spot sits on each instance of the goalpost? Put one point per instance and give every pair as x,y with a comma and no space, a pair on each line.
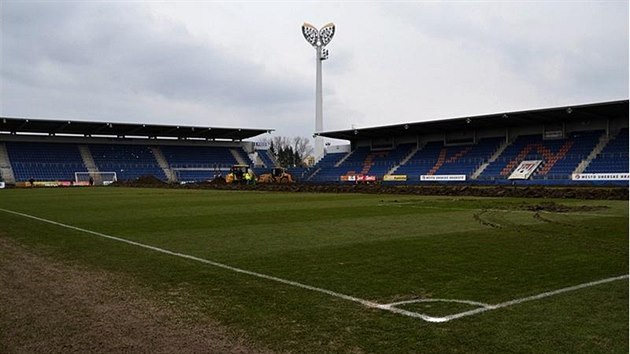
97,178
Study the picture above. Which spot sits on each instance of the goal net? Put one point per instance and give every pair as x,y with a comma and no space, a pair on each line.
94,178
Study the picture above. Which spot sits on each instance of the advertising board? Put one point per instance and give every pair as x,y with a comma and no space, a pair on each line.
400,178
442,178
600,176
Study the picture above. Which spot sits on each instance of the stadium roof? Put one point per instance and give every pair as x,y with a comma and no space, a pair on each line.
54,127
604,110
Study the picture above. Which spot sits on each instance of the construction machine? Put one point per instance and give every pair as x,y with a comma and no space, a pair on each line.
238,174
277,175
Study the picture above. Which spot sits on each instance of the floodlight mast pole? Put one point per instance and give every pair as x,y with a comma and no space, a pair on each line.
318,39
319,105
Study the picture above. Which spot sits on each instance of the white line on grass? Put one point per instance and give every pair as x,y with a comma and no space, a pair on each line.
532,298
225,266
388,307
414,301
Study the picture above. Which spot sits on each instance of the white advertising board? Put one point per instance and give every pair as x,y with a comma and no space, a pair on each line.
525,169
443,178
600,176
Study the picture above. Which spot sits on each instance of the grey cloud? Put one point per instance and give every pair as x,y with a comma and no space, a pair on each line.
118,47
593,60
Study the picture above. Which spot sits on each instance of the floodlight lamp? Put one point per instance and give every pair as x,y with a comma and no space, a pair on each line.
326,34
467,120
569,110
318,38
310,33
406,126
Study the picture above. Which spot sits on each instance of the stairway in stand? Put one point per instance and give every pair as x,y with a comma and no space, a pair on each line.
442,159
6,171
369,160
90,165
163,163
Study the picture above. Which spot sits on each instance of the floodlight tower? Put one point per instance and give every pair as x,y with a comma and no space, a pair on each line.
319,39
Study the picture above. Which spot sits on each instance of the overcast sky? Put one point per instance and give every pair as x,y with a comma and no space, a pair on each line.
247,65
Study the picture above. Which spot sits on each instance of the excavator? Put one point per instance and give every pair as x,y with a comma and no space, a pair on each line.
277,175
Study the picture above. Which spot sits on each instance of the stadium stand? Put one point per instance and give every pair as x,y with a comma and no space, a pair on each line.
241,156
560,156
571,142
361,161
266,159
44,161
435,158
128,161
298,173
614,156
197,156
320,170
201,163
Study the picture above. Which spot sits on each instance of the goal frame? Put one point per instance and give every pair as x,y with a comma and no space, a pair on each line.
97,178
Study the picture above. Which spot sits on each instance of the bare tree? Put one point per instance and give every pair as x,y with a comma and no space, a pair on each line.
290,151
281,142
302,147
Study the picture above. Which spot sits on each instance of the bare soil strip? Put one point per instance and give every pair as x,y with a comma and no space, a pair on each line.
47,306
565,192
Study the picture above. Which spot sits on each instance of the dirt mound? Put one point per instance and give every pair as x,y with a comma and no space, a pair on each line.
578,192
559,208
218,180
142,181
149,180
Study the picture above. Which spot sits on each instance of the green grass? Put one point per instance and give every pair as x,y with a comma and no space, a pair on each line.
377,247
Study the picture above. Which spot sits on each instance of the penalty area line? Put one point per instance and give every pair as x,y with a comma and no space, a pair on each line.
370,304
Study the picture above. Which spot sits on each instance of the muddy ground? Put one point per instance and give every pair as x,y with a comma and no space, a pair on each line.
577,192
51,307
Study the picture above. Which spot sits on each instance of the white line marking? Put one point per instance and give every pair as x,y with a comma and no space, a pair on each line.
533,297
225,266
468,302
387,307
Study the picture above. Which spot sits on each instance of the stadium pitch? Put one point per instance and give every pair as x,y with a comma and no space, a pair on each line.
466,274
